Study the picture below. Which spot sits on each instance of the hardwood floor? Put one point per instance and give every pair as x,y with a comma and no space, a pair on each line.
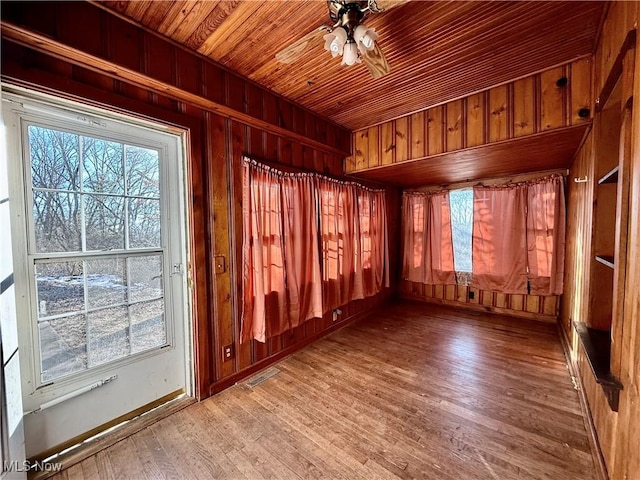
413,391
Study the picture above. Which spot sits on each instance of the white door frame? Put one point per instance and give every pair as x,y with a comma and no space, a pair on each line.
24,303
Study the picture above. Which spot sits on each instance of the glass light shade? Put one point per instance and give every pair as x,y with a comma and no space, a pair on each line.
334,41
365,37
350,55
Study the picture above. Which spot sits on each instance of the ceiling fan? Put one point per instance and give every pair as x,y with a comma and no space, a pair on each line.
347,36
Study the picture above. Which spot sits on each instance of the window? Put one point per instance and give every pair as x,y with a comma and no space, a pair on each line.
461,202
96,247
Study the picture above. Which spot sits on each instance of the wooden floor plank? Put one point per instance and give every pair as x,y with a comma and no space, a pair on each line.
414,391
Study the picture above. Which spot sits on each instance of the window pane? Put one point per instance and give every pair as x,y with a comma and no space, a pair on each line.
60,288
143,172
106,282
145,278
62,346
103,168
144,223
104,222
147,325
462,227
54,159
108,335
57,221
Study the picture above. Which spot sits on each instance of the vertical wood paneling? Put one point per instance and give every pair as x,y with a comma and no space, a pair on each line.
454,126
580,83
418,138
374,146
402,139
498,117
435,130
523,107
552,105
387,143
475,120
361,151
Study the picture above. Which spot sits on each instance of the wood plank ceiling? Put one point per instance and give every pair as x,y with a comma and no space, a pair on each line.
438,51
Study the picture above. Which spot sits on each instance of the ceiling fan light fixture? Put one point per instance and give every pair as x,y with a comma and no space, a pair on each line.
335,40
350,54
365,37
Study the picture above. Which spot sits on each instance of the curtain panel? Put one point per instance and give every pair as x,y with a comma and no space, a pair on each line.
427,238
499,251
310,244
546,223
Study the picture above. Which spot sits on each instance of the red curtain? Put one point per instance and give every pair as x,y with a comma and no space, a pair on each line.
499,253
264,305
428,246
286,218
546,235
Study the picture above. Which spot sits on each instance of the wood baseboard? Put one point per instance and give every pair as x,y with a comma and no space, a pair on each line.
481,308
596,451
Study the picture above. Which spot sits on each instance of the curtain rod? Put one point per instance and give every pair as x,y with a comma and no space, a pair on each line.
293,169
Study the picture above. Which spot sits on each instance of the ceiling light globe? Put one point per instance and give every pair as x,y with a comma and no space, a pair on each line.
365,37
334,41
350,54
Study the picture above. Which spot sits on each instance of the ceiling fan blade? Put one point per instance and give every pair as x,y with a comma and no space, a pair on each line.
386,5
376,62
296,49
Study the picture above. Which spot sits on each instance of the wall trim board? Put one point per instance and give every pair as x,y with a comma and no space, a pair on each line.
481,308
596,451
57,49
227,382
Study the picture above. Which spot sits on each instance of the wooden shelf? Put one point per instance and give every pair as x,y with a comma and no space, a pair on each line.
609,177
597,347
607,260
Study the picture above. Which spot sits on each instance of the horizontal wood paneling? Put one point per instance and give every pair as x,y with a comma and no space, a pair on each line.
527,106
542,151
447,50
525,306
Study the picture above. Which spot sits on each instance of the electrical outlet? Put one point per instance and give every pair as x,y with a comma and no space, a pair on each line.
227,352
336,313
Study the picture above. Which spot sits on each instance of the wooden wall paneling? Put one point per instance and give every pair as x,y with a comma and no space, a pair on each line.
285,113
580,86
523,107
270,114
218,175
402,139
498,116
156,48
214,87
361,150
475,124
454,125
387,143
188,72
297,155
243,350
310,124
532,303
252,104
435,130
124,43
501,300
74,25
552,112
516,302
373,137
418,135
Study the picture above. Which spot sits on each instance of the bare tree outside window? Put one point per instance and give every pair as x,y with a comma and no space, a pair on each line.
461,202
100,200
